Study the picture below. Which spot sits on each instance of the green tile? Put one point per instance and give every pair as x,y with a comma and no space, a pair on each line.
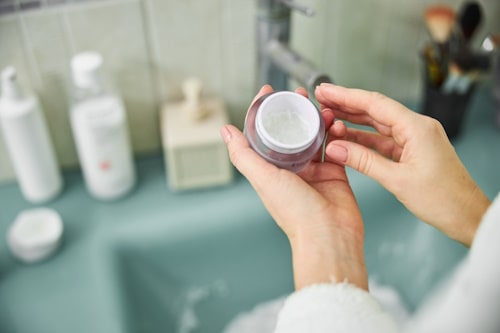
12,53
117,30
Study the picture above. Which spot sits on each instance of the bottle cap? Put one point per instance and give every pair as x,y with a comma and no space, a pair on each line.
10,86
85,68
287,122
193,103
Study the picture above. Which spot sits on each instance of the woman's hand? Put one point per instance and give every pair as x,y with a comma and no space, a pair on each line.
315,208
410,155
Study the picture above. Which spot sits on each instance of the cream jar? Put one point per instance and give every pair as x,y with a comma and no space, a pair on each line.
285,128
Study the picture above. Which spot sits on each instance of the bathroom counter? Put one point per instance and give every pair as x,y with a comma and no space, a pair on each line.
84,286
66,292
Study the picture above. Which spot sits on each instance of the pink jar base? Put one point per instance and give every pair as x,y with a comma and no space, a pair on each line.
294,162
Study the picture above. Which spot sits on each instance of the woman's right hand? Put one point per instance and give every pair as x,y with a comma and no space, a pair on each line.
410,155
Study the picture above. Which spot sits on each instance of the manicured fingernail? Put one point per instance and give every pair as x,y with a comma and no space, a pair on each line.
337,153
226,134
266,87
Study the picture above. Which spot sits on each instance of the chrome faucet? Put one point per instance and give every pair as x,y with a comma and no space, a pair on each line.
276,62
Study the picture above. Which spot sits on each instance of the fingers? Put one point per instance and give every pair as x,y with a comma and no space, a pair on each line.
384,145
266,89
302,91
337,130
245,159
362,159
364,107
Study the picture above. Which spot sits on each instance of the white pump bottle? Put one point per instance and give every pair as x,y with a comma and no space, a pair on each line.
99,124
28,142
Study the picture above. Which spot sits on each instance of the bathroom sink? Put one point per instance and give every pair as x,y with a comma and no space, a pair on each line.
194,274
198,283
189,262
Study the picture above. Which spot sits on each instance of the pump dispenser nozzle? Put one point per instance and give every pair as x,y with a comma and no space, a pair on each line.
86,69
10,86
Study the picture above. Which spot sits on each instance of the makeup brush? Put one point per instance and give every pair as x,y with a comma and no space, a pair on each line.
469,19
440,20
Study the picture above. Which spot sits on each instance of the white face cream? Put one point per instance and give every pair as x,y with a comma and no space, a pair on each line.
287,122
285,128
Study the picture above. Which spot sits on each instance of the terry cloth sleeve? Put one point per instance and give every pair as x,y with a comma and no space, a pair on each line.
469,301
333,308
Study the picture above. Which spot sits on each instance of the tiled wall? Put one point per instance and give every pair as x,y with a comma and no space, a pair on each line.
150,46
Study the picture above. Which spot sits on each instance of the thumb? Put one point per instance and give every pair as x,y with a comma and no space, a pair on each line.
361,159
245,159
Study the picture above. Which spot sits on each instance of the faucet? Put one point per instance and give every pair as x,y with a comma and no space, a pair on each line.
276,62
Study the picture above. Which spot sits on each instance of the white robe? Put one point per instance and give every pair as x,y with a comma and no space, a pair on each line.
470,302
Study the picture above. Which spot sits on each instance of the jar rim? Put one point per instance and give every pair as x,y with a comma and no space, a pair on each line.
291,110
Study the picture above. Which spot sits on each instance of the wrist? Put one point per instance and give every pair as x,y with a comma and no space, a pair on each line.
326,257
474,205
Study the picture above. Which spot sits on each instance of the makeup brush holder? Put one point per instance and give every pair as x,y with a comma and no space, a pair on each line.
448,108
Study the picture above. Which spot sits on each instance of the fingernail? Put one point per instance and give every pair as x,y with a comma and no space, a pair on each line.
226,134
317,92
266,87
337,153
327,85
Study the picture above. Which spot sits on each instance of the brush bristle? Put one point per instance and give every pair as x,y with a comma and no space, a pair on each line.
440,21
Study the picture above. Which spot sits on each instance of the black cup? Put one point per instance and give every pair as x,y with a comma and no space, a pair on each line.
448,108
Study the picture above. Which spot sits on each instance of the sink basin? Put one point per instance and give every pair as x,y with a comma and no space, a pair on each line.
189,262
197,284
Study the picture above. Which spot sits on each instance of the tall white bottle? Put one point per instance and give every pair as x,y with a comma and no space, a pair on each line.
99,124
28,142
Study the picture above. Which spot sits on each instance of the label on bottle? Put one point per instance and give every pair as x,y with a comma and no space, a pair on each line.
101,136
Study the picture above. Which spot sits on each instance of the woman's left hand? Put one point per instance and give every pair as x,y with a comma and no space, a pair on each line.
316,208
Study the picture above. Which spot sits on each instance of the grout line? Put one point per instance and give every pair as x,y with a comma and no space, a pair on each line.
150,52
325,38
26,41
68,32
154,52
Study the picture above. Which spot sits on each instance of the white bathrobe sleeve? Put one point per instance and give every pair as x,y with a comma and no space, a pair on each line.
469,301
333,308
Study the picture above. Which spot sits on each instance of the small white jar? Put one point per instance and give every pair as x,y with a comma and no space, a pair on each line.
285,128
35,234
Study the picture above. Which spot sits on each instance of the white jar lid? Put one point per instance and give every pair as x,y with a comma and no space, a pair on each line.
35,234
287,122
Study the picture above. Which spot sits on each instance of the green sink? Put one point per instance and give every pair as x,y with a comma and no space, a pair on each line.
201,279
189,262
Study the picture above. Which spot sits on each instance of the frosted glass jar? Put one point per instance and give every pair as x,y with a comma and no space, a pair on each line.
285,128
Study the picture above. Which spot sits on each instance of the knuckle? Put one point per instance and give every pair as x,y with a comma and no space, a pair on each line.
434,127
365,162
234,156
378,99
376,96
